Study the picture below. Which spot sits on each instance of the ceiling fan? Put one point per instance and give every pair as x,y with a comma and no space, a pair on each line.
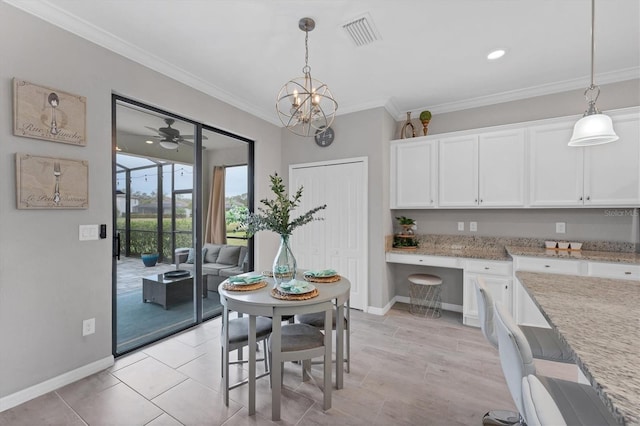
171,138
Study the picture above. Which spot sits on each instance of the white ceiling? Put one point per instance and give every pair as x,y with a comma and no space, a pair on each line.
432,53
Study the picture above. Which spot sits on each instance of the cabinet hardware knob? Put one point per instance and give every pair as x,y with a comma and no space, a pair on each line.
431,201
486,268
481,200
627,273
547,266
506,287
588,197
580,198
476,200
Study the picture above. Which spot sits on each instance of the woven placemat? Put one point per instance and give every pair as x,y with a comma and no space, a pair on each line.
248,287
324,280
285,296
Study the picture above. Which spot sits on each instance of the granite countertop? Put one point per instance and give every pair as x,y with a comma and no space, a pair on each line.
456,251
600,256
599,320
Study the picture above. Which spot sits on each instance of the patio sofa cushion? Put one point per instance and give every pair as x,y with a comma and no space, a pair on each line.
191,257
220,262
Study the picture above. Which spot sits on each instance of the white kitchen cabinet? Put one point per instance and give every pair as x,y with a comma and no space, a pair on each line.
612,171
458,172
601,175
497,277
555,169
525,310
502,169
414,172
486,170
621,271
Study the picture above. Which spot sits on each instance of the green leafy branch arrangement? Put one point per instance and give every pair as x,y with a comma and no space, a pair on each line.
276,214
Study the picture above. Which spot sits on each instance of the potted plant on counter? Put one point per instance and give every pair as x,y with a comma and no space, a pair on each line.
406,239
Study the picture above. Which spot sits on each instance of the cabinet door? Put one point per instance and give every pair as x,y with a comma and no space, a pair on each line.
501,157
499,288
413,174
525,310
555,169
612,171
458,172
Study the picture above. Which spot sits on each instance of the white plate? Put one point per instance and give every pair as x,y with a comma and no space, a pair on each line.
301,288
319,274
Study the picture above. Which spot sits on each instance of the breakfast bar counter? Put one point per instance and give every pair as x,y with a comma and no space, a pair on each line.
600,320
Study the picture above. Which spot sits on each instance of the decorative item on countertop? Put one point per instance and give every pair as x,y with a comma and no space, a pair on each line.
406,240
276,217
406,126
425,118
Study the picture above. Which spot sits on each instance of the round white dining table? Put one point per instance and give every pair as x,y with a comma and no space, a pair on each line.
261,303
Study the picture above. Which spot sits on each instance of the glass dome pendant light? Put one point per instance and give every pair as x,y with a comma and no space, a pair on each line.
305,105
594,128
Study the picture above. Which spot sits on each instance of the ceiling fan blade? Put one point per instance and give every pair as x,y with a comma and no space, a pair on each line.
192,136
153,129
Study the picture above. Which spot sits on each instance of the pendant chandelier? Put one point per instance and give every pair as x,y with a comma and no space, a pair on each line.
594,128
305,105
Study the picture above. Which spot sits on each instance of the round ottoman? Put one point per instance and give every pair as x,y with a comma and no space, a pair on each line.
424,293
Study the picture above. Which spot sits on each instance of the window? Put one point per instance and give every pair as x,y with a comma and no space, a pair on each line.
236,203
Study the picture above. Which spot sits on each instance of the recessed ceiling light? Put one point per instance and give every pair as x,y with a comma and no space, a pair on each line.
149,142
496,54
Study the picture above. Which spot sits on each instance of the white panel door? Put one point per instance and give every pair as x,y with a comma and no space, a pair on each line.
340,240
307,242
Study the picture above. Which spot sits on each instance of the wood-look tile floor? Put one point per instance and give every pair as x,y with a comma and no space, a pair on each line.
405,370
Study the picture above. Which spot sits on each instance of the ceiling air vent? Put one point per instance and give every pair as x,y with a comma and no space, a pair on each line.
362,30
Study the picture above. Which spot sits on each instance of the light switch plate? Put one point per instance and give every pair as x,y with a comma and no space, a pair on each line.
460,226
473,226
561,227
88,232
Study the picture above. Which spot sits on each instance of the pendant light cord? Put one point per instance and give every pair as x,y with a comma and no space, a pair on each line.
593,26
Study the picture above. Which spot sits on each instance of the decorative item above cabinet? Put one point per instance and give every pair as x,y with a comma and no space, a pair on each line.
518,165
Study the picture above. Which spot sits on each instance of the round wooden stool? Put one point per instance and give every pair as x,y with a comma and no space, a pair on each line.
424,293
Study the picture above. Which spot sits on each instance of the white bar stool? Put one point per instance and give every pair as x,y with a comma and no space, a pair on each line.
424,294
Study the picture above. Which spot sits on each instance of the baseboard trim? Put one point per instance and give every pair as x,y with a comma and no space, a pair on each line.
445,306
383,310
54,383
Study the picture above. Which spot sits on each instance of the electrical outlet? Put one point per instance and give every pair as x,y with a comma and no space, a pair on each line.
561,227
473,226
88,326
460,226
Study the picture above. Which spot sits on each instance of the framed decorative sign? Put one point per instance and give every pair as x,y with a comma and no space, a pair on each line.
51,183
44,113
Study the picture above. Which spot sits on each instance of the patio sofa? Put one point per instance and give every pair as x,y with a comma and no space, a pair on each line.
220,262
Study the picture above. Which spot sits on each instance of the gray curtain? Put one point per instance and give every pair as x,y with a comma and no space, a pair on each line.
215,230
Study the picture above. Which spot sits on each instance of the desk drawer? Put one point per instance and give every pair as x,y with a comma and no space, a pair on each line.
552,266
623,271
417,259
488,267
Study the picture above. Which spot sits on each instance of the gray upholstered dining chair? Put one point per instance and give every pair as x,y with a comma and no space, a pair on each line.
235,336
317,320
578,404
301,342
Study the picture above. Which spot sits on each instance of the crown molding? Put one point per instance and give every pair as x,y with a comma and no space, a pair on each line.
75,25
529,92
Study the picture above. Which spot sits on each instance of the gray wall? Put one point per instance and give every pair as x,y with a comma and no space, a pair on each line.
50,281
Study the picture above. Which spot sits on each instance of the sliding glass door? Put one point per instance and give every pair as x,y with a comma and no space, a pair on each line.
161,166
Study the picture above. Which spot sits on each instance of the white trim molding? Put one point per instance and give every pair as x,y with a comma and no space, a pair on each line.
54,383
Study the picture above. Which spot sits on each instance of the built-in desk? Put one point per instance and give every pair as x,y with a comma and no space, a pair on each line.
599,320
